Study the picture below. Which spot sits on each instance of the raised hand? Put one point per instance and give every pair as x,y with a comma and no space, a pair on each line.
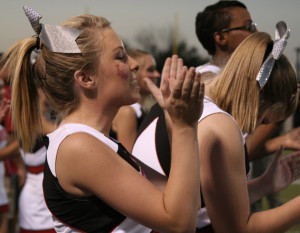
292,139
173,67
281,172
181,93
184,102
171,73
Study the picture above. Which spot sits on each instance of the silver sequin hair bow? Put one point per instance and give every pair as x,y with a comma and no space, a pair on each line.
56,38
282,33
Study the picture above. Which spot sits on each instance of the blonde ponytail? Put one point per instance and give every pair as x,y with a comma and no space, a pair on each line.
26,119
53,72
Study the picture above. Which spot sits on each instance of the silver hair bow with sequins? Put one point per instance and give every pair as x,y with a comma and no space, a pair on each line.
56,38
282,33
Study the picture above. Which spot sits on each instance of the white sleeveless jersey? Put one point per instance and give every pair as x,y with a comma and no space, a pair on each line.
33,212
95,215
208,67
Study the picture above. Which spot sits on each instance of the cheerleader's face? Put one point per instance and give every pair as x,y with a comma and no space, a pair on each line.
115,77
147,70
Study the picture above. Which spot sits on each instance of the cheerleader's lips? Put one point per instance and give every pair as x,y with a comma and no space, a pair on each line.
133,82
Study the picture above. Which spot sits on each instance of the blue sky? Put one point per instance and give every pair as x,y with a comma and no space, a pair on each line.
128,17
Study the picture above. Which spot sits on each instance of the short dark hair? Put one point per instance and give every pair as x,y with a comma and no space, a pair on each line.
214,18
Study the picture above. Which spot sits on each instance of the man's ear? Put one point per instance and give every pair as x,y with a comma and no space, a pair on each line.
220,39
84,79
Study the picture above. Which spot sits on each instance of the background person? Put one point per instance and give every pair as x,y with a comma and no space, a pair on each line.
222,148
129,118
34,215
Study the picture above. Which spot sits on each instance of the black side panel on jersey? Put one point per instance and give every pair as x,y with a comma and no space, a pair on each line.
87,214
247,163
161,136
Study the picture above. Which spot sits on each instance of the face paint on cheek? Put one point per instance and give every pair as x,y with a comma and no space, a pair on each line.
122,73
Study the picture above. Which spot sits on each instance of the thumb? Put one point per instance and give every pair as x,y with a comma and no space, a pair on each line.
151,86
278,153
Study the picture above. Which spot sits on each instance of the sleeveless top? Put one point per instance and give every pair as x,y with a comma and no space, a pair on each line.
37,156
152,146
208,67
211,108
140,114
73,213
33,213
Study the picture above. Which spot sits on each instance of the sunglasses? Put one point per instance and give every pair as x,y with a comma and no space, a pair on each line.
251,27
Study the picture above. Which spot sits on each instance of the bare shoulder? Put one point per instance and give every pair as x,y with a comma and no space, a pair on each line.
219,124
83,146
220,134
84,155
126,111
125,114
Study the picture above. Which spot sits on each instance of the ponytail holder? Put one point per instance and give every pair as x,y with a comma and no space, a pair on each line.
37,43
282,33
56,38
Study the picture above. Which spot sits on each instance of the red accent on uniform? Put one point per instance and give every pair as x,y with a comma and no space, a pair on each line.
35,169
37,231
4,208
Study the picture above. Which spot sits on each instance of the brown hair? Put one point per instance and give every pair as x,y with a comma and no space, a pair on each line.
53,72
238,93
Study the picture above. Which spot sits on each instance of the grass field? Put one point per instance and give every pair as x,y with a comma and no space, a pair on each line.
289,193
292,191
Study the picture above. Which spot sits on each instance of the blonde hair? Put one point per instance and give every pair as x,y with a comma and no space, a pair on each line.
53,72
237,91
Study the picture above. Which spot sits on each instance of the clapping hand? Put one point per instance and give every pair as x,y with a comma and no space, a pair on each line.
181,92
281,172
